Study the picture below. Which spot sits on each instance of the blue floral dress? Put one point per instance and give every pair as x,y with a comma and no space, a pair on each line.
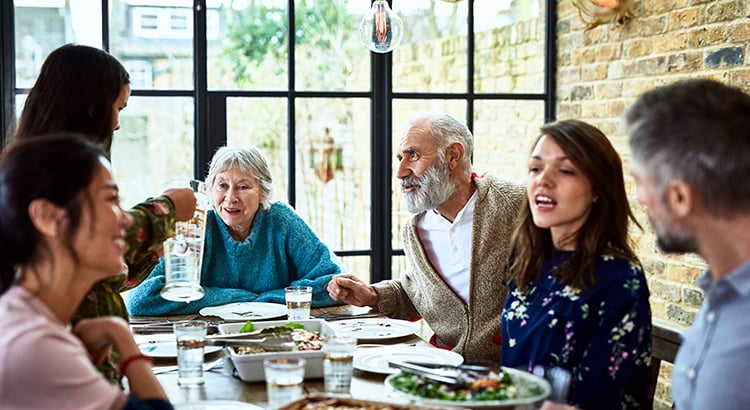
601,335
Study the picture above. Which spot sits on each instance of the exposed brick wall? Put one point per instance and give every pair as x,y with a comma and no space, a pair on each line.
600,73
602,70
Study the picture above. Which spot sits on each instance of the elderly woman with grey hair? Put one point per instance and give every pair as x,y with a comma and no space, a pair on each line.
254,247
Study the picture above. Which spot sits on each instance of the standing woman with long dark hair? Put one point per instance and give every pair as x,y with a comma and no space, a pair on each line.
577,297
82,90
62,229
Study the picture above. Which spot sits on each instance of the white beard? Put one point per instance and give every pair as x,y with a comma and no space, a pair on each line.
430,190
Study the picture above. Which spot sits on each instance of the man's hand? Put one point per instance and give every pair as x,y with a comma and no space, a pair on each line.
349,288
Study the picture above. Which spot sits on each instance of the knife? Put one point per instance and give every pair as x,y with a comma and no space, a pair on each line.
344,316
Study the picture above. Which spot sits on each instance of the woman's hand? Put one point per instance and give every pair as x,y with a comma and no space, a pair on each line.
103,333
551,405
349,288
100,334
184,202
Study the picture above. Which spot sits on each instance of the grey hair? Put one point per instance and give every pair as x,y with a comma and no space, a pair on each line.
696,131
248,160
446,130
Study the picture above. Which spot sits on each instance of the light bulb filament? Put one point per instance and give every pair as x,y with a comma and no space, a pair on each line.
381,25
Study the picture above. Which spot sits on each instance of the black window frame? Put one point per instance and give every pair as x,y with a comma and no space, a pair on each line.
210,111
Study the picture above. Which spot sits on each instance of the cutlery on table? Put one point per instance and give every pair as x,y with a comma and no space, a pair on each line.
163,327
344,316
456,378
472,369
254,335
271,342
206,367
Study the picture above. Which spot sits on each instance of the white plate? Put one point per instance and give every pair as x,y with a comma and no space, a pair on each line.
246,311
167,348
375,328
376,359
216,405
494,404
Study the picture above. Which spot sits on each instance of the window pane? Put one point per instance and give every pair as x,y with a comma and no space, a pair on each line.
250,51
398,266
154,43
329,54
432,56
403,111
502,130
333,169
509,46
153,146
357,265
244,115
43,26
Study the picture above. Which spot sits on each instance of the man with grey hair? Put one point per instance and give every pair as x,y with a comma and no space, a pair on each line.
456,245
691,158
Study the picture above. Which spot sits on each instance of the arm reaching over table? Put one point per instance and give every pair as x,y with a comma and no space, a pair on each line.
352,290
184,202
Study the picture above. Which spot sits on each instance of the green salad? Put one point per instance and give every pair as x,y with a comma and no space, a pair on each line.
288,327
495,387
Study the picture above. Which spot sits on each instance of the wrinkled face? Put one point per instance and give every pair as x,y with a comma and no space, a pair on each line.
120,103
560,196
426,180
100,239
236,197
671,237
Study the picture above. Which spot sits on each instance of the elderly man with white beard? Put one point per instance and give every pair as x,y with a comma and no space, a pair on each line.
456,245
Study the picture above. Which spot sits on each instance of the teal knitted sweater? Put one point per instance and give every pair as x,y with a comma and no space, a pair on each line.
281,250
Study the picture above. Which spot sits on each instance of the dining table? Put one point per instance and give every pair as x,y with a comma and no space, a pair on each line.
222,382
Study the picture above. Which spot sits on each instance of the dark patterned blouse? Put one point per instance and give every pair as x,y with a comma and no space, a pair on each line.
601,335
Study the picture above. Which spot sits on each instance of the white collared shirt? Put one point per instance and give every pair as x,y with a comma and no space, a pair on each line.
448,245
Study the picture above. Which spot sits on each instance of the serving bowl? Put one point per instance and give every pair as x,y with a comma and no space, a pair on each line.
525,381
250,365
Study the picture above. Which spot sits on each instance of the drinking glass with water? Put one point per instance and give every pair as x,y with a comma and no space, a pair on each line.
298,301
283,380
338,363
191,339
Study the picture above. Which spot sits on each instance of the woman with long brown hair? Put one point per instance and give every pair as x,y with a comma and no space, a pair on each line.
578,298
82,90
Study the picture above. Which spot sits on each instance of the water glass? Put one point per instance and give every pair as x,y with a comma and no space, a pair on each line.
338,367
298,300
283,380
183,254
190,336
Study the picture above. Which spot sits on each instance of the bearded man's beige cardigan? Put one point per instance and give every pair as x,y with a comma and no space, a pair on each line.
471,328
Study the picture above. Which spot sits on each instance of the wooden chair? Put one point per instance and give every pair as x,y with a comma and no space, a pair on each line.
665,341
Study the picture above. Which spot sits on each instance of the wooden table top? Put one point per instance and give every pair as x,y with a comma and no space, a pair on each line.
223,383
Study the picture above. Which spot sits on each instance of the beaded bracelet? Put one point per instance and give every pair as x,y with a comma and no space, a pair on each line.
140,356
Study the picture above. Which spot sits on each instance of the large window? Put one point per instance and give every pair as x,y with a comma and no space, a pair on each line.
292,77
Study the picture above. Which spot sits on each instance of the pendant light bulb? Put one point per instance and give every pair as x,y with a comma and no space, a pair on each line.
381,28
